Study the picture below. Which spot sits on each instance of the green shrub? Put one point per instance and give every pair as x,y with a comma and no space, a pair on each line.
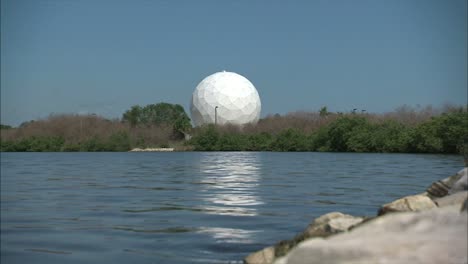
259,142
206,139
291,140
118,141
340,131
34,144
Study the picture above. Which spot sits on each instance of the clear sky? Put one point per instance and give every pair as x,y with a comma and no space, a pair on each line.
98,56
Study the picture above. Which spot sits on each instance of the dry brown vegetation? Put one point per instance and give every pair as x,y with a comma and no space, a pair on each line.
308,122
94,133
81,128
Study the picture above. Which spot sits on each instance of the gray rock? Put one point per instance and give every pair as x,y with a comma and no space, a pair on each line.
462,183
453,199
323,226
450,184
281,260
429,237
318,228
456,187
465,206
343,224
411,203
264,256
331,223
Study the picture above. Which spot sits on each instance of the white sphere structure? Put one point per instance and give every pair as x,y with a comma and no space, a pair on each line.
225,98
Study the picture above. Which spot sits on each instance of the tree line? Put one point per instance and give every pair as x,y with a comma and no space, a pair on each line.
154,125
167,125
445,133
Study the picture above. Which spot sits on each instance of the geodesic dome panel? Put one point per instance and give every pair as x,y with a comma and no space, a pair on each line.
231,96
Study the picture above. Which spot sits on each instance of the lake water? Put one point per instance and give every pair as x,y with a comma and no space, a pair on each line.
189,207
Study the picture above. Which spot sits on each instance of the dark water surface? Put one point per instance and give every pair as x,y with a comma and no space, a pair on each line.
188,207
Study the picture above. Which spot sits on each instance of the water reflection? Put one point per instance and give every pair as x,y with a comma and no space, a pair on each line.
229,235
230,182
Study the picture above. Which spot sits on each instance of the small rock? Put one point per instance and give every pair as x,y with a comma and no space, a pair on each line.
451,184
408,204
320,226
324,219
453,199
438,189
343,224
264,256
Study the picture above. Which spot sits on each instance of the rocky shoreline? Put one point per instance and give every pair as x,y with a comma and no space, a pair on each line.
430,227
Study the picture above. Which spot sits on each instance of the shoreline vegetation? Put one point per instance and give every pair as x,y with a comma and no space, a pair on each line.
163,125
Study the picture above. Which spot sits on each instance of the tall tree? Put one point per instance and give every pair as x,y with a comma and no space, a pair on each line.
159,114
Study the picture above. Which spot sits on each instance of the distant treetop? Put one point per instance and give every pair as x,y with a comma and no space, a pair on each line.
158,114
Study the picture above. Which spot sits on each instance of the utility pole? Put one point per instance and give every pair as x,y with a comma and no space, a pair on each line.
216,115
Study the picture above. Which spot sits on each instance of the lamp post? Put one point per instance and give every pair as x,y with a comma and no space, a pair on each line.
216,115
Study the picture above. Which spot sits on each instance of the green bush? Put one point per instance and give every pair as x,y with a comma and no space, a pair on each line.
7,146
34,144
442,134
159,114
341,130
259,142
119,141
291,140
390,136
359,139
94,145
206,139
232,142
319,140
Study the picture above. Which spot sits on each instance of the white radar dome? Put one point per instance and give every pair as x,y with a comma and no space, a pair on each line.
225,98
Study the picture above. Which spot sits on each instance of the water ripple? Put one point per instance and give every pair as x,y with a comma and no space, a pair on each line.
216,206
47,251
164,230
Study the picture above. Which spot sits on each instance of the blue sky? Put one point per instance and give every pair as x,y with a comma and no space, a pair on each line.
98,56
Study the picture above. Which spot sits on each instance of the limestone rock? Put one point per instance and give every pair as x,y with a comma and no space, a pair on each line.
323,226
264,256
451,184
465,206
429,237
281,260
343,224
319,226
462,183
453,199
331,223
408,204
